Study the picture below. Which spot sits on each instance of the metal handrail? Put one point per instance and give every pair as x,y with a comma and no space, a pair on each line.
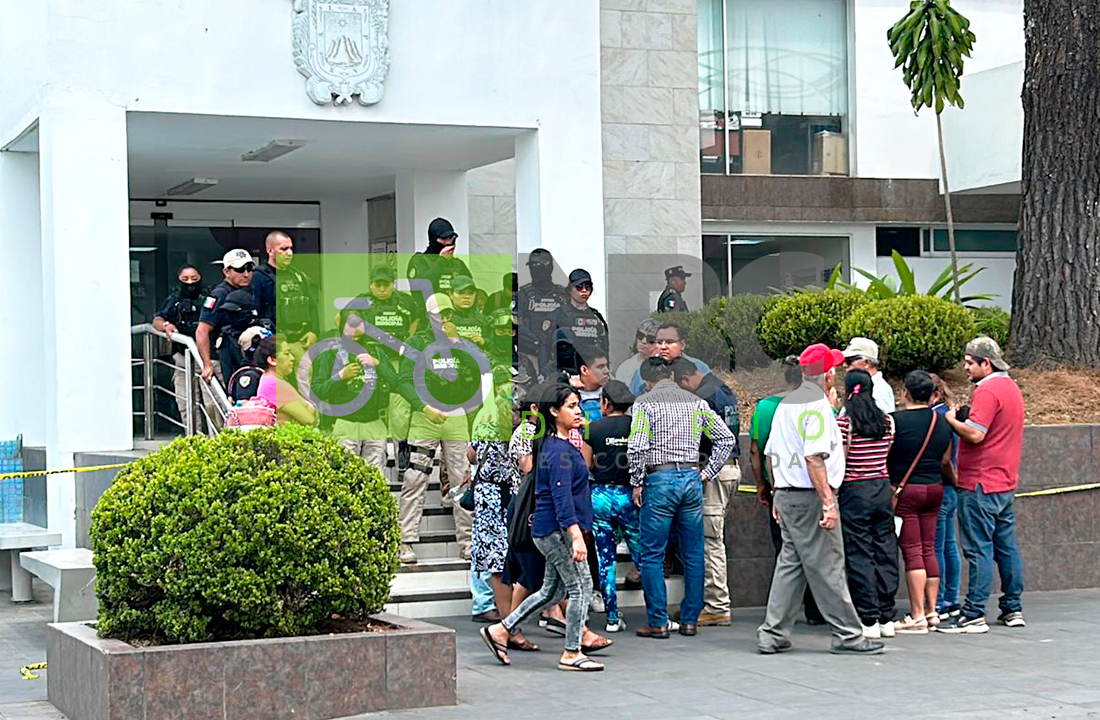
192,360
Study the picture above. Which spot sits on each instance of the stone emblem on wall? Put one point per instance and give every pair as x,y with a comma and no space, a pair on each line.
342,48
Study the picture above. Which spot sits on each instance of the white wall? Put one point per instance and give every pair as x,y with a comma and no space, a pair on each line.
996,279
984,142
23,33
890,141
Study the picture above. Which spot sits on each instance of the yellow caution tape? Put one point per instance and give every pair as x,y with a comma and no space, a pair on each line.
25,671
1061,490
36,473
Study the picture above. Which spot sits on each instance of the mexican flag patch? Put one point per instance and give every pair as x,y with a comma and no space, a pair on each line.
210,302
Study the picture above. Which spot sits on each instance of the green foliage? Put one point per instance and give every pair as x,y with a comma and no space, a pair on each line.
723,333
886,286
264,533
992,321
929,44
913,331
792,322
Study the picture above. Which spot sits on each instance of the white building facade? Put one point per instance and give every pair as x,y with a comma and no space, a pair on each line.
625,136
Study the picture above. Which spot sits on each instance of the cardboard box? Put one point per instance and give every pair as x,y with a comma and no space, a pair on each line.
830,154
757,152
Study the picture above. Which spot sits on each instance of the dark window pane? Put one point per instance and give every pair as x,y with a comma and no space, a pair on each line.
969,240
906,240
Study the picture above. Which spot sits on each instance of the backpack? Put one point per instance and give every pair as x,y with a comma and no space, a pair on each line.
244,383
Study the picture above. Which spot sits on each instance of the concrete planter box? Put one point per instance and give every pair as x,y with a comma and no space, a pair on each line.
314,678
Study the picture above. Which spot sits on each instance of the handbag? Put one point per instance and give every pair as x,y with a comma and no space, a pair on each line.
522,510
466,502
913,465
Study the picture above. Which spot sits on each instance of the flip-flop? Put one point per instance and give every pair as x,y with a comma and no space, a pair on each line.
555,626
497,649
590,649
525,646
581,665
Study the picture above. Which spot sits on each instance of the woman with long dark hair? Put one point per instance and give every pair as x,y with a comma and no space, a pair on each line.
563,511
866,515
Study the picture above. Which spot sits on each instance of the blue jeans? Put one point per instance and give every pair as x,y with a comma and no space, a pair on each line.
613,510
672,503
482,592
947,551
988,525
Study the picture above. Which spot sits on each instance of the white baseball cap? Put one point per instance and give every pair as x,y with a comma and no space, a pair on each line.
862,347
237,259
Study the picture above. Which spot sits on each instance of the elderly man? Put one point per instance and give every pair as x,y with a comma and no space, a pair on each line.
663,454
806,457
862,354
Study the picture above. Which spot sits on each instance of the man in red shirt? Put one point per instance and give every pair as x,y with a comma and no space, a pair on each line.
989,464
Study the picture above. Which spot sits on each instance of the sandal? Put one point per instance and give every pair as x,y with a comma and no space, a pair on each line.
497,649
554,626
601,644
581,665
523,645
933,619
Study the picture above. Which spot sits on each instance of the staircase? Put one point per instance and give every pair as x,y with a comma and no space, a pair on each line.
438,585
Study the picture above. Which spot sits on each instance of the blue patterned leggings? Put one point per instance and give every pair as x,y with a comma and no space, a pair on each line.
612,511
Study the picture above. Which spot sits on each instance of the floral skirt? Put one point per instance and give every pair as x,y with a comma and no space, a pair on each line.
489,545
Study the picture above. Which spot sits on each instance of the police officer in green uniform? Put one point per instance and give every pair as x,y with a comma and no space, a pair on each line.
179,314
501,343
227,312
671,299
468,320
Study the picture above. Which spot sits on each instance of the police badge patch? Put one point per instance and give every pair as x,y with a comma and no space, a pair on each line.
545,325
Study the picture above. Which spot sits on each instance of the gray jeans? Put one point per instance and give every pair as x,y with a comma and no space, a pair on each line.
564,577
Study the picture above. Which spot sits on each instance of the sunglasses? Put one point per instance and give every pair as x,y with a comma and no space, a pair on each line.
647,338
848,361
246,269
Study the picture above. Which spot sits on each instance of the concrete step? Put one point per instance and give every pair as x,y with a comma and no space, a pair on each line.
450,574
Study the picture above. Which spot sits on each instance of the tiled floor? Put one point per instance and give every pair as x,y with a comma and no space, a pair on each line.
1048,670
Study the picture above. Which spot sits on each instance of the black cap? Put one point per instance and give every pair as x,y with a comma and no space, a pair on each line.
676,271
540,255
382,271
578,276
441,228
462,282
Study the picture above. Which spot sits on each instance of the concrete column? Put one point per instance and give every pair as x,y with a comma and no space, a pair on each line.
21,406
85,272
344,227
423,196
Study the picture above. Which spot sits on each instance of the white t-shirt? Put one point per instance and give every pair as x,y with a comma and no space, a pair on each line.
627,368
804,426
882,393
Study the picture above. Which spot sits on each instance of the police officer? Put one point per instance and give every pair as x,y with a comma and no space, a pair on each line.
284,296
536,304
180,314
501,342
438,262
505,297
227,312
576,323
672,299
469,322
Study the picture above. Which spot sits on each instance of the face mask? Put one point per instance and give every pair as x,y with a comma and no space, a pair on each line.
189,290
540,273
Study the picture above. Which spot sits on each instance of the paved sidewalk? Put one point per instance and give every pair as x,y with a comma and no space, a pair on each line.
1051,669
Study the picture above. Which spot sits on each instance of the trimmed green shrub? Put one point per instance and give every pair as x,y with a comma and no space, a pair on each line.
792,322
723,333
992,321
264,533
913,331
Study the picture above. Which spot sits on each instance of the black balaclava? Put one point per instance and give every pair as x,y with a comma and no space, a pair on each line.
434,246
190,290
541,273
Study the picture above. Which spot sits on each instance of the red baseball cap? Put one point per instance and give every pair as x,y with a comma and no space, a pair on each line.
819,358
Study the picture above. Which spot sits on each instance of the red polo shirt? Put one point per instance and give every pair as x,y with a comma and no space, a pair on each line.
997,408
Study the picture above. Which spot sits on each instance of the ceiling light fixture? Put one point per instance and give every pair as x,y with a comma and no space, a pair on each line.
274,149
192,186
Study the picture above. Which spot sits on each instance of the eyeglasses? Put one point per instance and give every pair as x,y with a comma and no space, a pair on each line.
245,269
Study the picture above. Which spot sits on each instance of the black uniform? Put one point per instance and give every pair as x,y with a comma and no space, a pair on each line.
536,306
437,268
338,391
723,401
671,301
451,392
573,326
183,312
395,315
287,299
229,310
470,323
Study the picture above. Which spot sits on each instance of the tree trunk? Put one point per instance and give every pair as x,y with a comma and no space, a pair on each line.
950,215
1056,298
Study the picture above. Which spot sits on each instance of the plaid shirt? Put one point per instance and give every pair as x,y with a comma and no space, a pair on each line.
668,422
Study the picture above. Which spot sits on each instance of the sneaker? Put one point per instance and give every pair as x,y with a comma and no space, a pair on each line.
888,628
714,620
617,626
597,603
961,624
407,556
782,647
673,626
909,626
863,647
1012,619
949,612
872,631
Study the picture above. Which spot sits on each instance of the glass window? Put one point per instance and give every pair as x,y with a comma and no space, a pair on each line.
976,241
760,263
773,87
906,240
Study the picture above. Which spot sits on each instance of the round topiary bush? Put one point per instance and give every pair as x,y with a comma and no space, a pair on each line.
913,331
264,533
792,322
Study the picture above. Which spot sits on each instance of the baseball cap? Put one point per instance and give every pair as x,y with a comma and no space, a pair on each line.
676,271
862,347
252,335
441,228
462,282
578,276
440,302
382,271
237,259
540,256
988,348
819,359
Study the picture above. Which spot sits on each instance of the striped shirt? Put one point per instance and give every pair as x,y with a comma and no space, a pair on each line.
866,456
